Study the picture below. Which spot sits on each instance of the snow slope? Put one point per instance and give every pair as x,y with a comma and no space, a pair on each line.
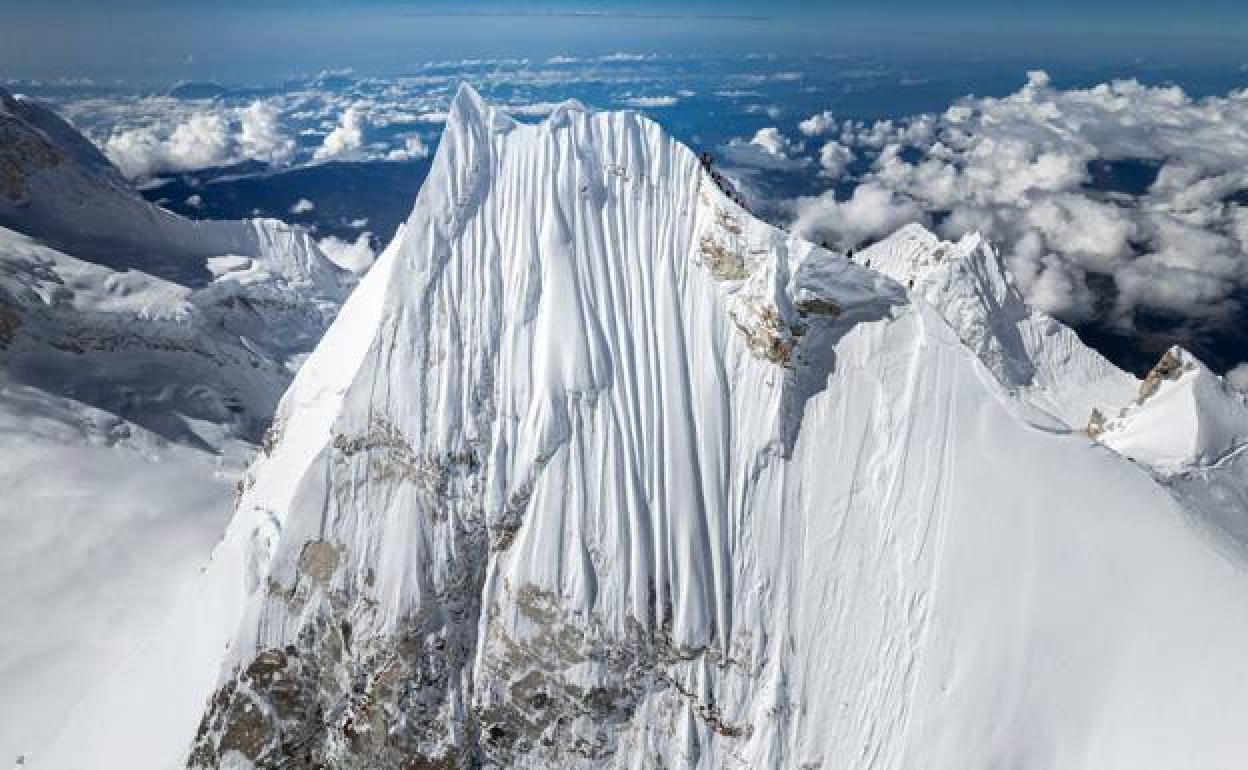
130,403
105,524
1184,416
1190,430
1182,423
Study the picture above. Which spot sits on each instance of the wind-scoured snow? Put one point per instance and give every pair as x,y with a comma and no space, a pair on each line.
594,469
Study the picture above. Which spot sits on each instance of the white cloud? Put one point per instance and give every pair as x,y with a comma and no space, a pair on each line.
346,140
834,157
261,135
335,74
202,141
915,131
771,140
628,57
770,110
873,211
195,201
355,256
302,206
173,139
1098,233
413,148
1016,168
649,102
820,123
958,113
1038,79
768,149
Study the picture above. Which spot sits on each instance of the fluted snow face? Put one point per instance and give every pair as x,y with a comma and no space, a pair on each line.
596,470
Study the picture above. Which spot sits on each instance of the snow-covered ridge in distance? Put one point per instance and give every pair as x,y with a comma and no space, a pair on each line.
1182,423
596,470
142,356
89,266
56,186
1035,357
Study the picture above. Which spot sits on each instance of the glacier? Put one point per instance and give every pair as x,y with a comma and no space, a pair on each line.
596,470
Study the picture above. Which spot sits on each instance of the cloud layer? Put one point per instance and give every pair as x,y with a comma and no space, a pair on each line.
768,150
202,137
347,138
1020,169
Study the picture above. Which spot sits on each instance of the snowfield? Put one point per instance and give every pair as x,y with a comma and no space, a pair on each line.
596,470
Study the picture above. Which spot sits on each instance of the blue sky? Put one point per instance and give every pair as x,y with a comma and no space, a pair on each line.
264,40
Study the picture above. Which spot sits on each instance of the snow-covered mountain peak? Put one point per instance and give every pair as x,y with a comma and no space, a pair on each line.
596,470
1175,364
771,280
968,284
57,187
469,110
913,252
1180,416
1184,416
146,285
35,141
23,151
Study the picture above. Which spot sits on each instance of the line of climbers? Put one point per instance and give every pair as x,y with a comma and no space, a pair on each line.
724,185
721,181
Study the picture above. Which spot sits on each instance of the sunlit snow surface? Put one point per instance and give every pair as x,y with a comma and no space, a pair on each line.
591,431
